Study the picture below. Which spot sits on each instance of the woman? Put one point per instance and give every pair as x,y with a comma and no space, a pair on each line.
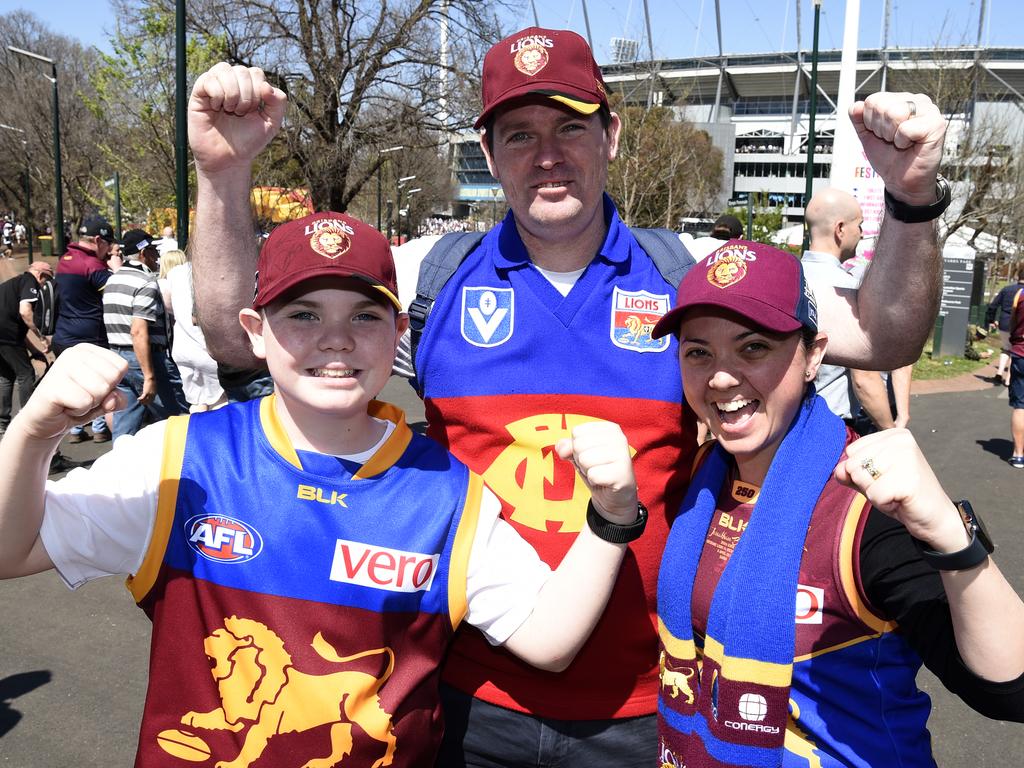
776,515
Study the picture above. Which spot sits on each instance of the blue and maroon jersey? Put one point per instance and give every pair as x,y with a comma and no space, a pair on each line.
81,277
509,366
853,701
1016,329
300,611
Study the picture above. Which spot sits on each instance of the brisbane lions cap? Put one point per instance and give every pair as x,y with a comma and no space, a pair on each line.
550,62
324,244
759,282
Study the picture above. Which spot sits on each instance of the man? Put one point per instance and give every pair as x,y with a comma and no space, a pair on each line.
81,275
18,297
999,312
535,331
860,397
726,227
136,325
1015,340
166,242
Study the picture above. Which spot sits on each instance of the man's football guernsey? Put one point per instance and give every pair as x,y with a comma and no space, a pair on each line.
854,700
509,366
300,612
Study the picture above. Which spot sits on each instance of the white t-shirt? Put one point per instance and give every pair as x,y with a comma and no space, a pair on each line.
98,522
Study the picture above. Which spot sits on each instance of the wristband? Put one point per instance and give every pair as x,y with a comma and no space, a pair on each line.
970,556
916,214
613,532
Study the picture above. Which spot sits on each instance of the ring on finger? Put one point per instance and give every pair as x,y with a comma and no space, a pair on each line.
912,106
868,465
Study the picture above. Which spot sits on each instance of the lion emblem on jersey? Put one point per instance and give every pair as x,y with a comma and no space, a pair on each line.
330,240
261,690
676,680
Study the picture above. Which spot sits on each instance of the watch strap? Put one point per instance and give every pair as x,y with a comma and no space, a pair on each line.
972,555
917,214
613,532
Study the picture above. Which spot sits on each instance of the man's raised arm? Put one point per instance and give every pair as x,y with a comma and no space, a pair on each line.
233,114
884,325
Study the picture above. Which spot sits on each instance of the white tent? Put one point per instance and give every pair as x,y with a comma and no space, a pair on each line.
985,243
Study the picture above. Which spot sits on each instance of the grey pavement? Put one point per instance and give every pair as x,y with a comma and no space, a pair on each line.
73,666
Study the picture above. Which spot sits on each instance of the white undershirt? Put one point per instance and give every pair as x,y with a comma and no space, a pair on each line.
562,281
98,522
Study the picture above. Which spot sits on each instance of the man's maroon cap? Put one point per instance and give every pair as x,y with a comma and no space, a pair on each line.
324,244
759,282
555,63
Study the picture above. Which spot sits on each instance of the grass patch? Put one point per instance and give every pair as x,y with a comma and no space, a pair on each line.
949,366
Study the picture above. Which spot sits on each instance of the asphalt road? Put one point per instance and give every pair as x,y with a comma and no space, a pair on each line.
73,665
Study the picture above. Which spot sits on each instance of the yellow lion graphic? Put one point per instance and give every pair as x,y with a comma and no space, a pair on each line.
260,688
675,679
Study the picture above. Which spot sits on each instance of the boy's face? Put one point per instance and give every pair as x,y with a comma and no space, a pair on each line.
329,344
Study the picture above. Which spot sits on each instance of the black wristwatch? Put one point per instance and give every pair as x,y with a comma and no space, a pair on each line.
973,554
613,532
916,214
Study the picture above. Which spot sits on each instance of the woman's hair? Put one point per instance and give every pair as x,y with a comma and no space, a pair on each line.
170,260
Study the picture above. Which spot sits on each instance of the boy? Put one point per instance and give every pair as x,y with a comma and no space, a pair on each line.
308,546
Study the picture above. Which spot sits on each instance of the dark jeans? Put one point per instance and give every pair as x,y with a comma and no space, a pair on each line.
169,400
15,368
483,735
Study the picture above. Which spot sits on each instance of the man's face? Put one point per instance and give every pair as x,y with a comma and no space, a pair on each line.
552,163
102,247
149,256
853,231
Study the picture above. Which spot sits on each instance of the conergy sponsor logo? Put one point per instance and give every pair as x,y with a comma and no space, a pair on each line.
736,726
382,568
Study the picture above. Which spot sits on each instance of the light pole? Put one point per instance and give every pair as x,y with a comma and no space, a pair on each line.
180,126
28,189
408,213
116,183
387,151
398,206
58,234
809,182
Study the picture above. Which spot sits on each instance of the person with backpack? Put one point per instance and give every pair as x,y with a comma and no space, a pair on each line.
546,323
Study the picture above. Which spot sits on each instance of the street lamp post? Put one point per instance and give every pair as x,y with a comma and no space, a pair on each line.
809,182
116,183
387,151
408,213
398,207
28,189
58,234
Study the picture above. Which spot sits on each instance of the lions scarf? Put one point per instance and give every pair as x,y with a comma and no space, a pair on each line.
732,711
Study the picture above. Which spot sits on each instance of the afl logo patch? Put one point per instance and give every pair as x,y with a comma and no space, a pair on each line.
634,314
330,238
487,315
223,539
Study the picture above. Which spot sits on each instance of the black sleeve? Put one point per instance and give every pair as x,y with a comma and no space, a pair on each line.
905,589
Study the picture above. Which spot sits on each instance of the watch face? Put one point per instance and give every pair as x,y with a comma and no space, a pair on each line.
974,524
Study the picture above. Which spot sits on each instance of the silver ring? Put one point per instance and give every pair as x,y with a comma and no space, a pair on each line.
912,107
868,465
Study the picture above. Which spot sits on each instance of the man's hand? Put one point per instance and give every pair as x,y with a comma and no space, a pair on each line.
902,135
233,114
148,390
601,455
81,385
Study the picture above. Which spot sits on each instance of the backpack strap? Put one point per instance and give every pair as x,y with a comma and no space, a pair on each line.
436,268
666,251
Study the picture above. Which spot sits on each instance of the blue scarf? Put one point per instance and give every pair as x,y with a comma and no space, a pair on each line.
733,709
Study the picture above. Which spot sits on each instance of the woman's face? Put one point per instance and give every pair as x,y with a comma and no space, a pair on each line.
745,382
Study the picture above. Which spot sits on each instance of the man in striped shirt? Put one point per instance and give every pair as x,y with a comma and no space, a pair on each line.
136,323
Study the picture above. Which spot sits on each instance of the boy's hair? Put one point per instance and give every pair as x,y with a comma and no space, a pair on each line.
325,244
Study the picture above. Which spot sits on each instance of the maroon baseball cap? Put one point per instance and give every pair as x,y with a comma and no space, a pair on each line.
551,62
759,282
324,244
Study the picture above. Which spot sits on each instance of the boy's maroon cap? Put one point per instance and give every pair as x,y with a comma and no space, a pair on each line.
324,244
759,282
552,62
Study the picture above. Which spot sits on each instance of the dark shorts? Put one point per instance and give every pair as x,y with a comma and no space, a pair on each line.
1017,382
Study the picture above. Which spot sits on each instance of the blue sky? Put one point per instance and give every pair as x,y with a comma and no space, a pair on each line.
681,28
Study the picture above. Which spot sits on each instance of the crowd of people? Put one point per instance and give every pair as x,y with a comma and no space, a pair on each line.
560,571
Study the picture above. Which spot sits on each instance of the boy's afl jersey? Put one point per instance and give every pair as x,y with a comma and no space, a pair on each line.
300,611
509,366
854,700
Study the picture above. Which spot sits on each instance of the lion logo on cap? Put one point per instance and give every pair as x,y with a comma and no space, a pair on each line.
530,59
331,238
727,266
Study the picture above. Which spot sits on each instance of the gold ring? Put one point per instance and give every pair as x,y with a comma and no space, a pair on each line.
868,465
912,107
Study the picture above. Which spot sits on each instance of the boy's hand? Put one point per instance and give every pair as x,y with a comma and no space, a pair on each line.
79,386
233,113
600,453
890,470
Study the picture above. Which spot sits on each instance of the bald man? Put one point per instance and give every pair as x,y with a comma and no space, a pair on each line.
835,222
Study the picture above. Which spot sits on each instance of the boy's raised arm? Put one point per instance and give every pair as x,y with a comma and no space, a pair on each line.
573,598
80,386
233,113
